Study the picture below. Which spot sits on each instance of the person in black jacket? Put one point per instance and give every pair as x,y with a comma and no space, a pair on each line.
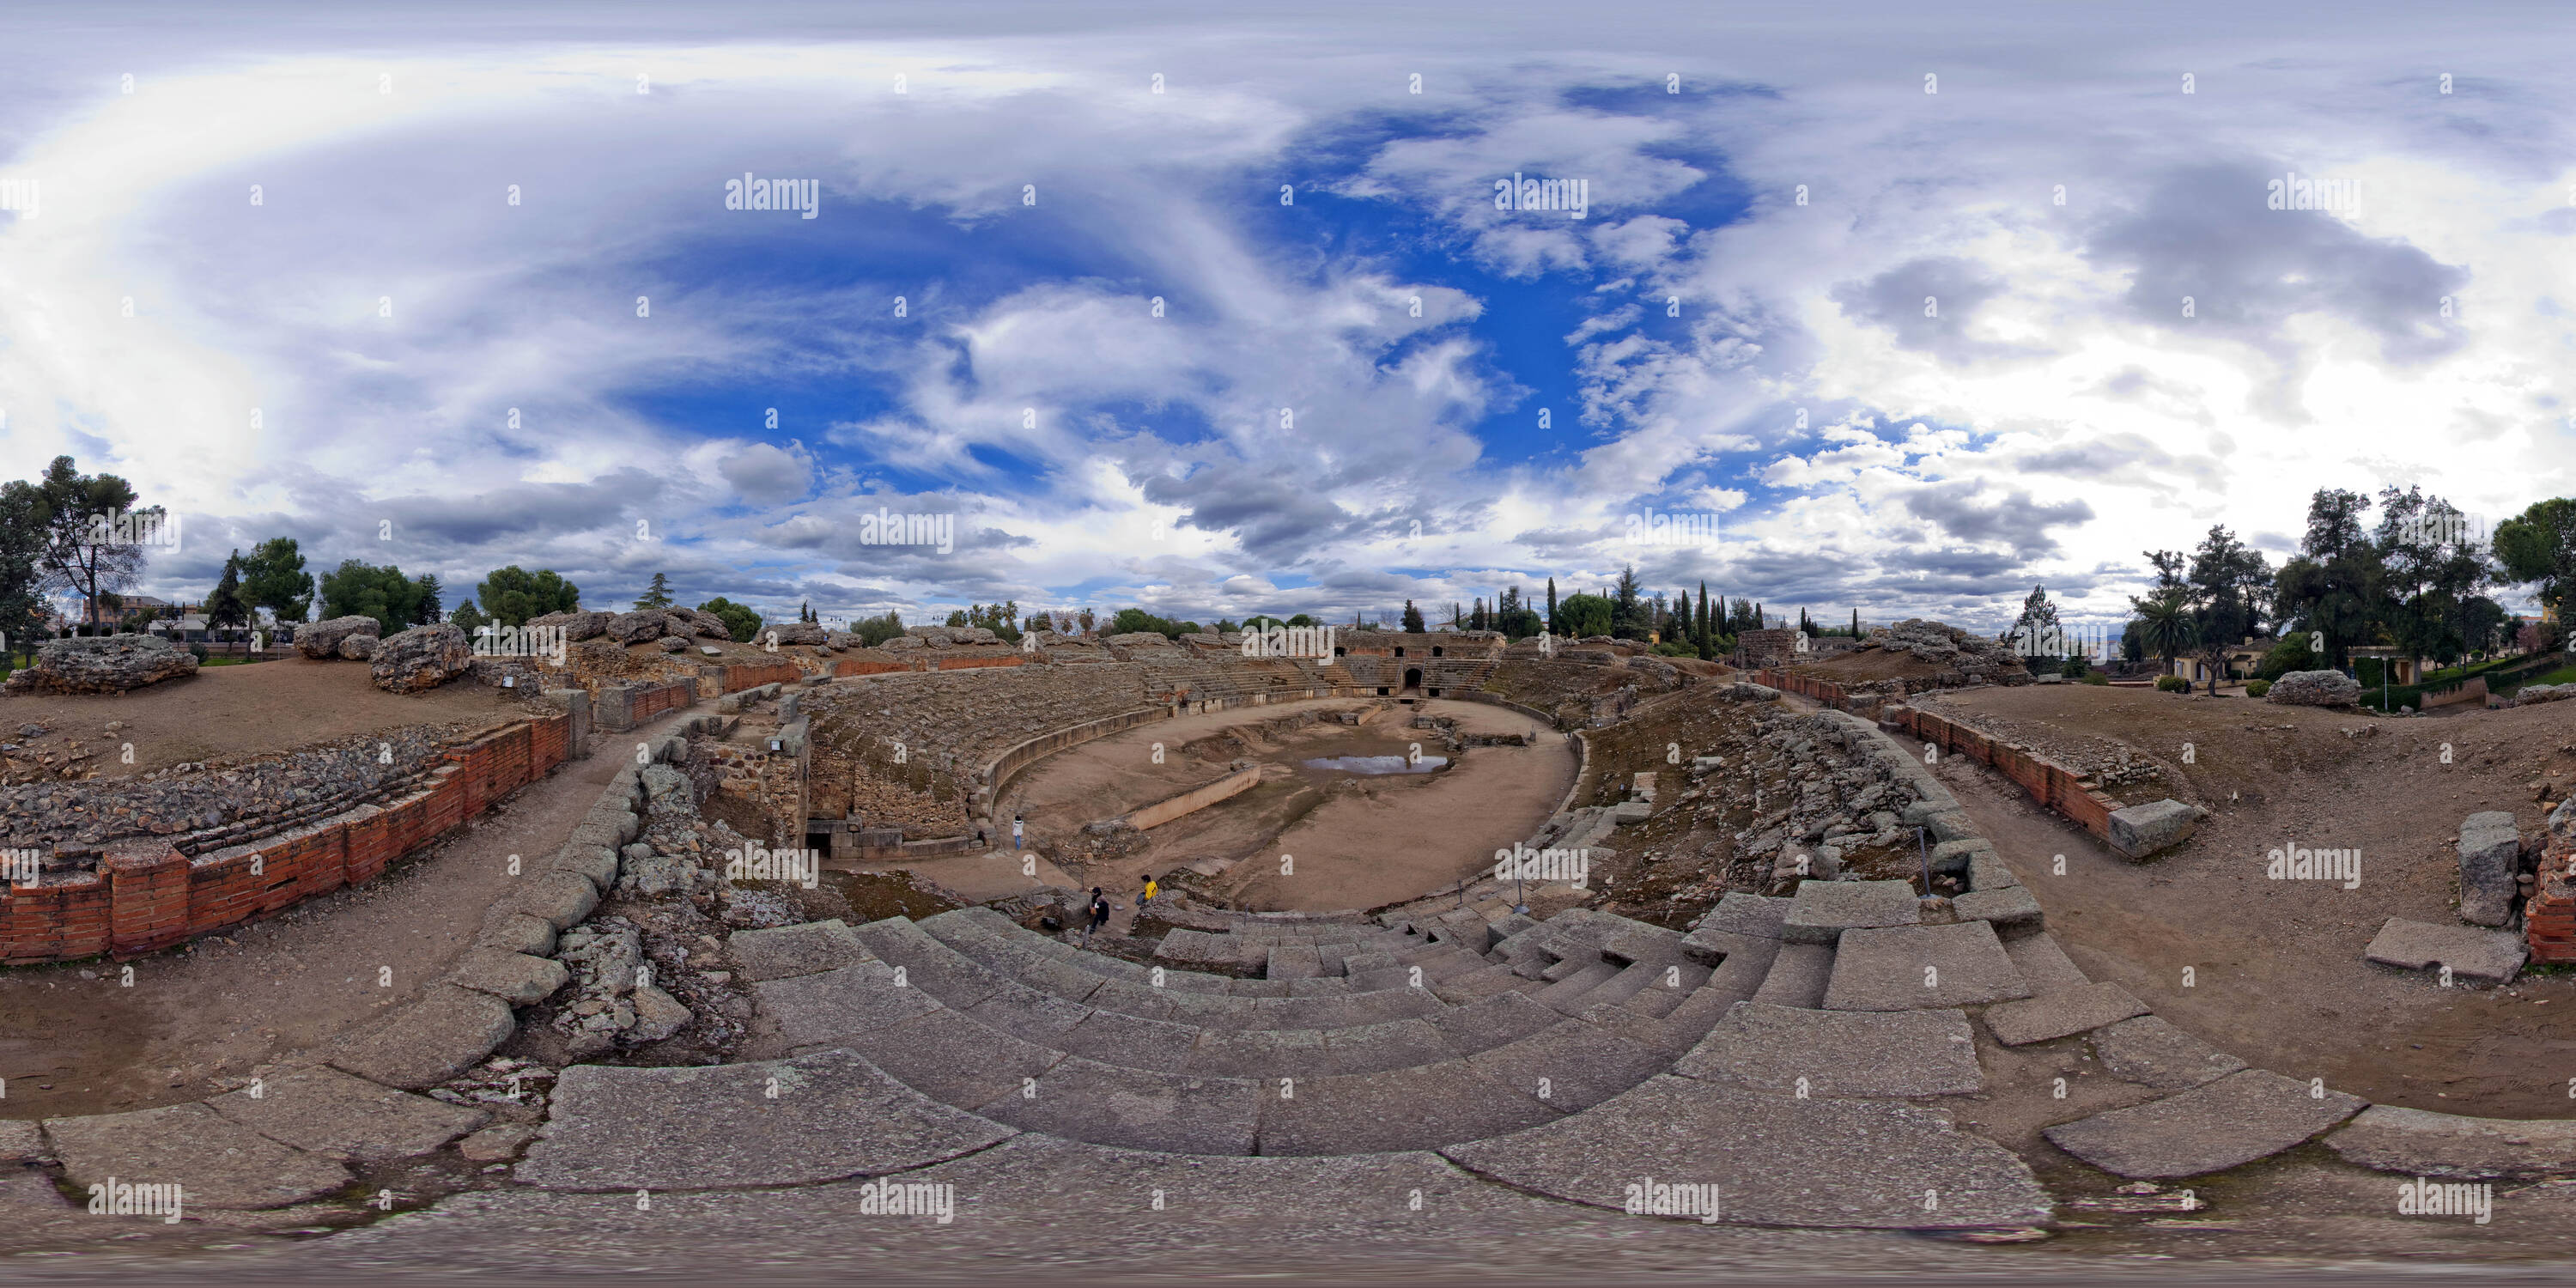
1099,914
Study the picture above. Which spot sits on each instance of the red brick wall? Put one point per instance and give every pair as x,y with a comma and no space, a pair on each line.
2549,918
149,896
867,666
749,675
970,663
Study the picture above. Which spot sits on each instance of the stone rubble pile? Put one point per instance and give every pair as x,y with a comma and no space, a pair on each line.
233,802
1973,658
670,857
102,664
615,1000
1822,797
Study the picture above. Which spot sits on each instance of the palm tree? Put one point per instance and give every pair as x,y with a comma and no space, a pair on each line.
2165,626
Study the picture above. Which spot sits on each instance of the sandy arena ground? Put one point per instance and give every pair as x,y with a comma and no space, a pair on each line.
1358,842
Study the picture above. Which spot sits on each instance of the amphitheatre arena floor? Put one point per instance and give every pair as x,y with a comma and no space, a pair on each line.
1358,841
2279,974
201,1018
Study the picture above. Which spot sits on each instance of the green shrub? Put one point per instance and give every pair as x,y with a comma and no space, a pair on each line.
2074,667
2291,654
1675,648
198,651
2171,684
2096,677
2257,688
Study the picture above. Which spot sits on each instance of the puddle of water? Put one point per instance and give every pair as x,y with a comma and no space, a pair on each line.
1377,764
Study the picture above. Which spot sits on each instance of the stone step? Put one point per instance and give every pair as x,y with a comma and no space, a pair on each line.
961,982
1775,1159
1490,981
1922,967
2212,1127
1799,976
1669,989
1632,979
1569,990
1885,1054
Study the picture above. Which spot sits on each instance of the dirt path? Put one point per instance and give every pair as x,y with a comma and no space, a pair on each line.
76,1039
2277,970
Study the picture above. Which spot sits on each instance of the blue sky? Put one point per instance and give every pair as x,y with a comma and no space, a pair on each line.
1962,365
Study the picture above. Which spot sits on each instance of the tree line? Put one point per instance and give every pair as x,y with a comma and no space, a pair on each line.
2417,580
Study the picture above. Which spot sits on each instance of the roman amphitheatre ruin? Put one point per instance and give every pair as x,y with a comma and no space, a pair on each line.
1467,952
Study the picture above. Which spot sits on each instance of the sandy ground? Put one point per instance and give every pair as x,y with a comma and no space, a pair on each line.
1357,842
2277,969
76,1039
237,712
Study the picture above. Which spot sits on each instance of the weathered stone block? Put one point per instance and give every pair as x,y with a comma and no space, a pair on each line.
2142,830
2490,857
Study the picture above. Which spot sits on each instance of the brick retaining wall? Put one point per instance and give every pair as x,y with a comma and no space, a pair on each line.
150,895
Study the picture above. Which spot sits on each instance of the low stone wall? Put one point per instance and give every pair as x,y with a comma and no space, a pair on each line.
150,895
1197,798
1498,700
619,708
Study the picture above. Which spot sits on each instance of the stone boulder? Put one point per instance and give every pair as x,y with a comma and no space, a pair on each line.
103,664
933,636
2531,693
577,626
639,626
793,633
702,625
320,641
973,635
423,657
2141,830
674,644
357,648
901,642
2490,858
2315,689
842,639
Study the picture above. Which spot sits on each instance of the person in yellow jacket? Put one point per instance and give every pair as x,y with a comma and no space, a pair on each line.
1146,899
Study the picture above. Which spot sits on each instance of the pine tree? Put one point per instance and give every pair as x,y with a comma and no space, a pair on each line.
657,595
1412,618
224,607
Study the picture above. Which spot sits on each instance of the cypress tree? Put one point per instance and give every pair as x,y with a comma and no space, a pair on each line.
1855,623
1551,605
1707,644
